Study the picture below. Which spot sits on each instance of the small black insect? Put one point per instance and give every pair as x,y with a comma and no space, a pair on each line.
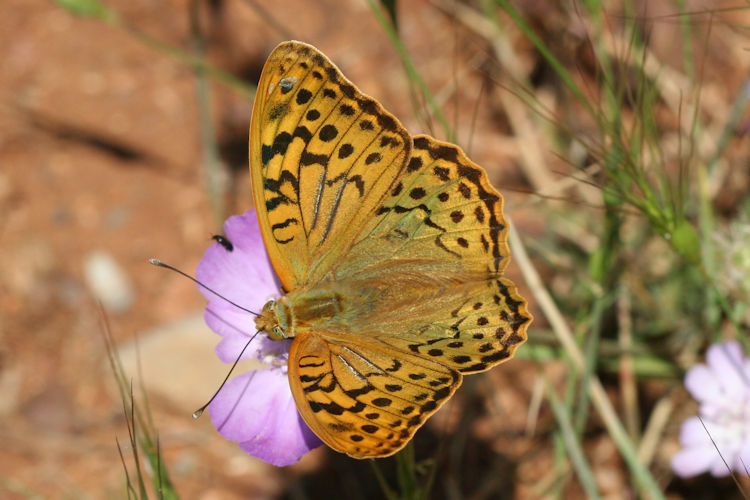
223,241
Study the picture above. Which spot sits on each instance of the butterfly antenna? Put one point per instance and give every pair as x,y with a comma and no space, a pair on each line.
159,263
197,413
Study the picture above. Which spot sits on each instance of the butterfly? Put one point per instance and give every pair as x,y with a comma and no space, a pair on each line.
390,250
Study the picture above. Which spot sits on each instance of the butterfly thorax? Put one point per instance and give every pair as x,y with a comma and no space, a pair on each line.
299,311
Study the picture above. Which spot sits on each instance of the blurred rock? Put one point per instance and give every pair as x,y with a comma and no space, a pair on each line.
24,268
107,281
10,388
51,410
5,188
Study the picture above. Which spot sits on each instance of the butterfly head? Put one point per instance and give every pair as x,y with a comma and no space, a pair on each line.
273,320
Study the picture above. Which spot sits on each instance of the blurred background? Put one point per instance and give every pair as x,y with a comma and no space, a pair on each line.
616,131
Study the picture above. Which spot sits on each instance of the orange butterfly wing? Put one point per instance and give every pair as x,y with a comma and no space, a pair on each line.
322,154
403,238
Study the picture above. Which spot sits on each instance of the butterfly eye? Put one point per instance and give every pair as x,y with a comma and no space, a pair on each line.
268,306
277,333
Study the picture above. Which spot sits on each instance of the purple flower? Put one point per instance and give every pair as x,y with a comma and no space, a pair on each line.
255,409
722,431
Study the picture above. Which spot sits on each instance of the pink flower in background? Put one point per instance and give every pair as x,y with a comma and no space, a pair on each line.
719,439
255,409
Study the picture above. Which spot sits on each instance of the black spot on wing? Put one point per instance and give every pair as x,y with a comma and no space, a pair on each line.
283,225
280,145
303,96
328,133
345,151
308,158
382,402
373,158
414,164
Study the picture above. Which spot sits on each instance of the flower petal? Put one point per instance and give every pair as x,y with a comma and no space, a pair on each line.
244,276
742,460
720,466
699,453
693,433
701,381
693,461
257,410
726,361
719,440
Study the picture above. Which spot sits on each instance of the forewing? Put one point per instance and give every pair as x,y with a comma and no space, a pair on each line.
362,398
322,158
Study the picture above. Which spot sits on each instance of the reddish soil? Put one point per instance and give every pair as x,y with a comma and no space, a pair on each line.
100,150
